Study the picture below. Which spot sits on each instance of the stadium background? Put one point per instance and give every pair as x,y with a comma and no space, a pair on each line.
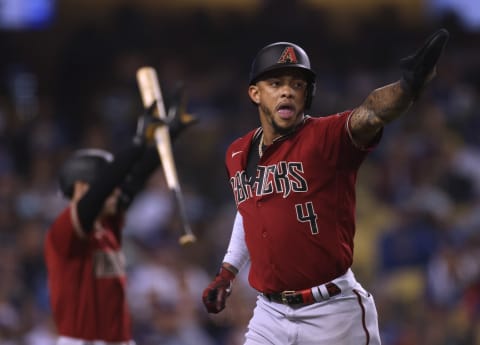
67,80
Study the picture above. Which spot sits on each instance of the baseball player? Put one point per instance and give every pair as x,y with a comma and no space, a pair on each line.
293,180
83,247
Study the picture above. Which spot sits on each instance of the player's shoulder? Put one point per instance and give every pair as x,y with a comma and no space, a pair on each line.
327,120
63,219
330,117
243,141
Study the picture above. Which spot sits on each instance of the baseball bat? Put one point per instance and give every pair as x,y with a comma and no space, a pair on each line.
150,91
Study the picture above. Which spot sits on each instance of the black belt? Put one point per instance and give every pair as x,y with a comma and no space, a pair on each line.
302,296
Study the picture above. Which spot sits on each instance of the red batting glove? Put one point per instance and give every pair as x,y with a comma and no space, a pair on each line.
215,295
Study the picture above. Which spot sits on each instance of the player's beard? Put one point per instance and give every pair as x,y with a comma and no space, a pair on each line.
276,127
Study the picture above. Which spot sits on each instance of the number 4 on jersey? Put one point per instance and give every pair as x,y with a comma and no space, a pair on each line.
306,213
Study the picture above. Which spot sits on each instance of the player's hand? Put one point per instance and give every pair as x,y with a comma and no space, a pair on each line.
216,293
147,123
420,67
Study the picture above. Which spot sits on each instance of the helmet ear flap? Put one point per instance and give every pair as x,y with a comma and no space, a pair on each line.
311,89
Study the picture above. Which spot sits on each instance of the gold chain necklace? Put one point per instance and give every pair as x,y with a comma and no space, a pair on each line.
260,144
260,147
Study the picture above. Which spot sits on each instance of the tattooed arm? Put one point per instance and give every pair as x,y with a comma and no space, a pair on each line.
382,106
387,103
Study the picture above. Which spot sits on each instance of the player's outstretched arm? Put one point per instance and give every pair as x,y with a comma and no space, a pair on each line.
387,103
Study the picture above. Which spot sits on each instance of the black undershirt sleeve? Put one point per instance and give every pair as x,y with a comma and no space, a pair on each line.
91,204
138,176
129,171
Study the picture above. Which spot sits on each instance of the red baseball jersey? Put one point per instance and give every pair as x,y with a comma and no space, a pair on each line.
299,210
86,280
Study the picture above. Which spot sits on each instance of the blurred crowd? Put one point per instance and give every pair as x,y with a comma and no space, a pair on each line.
417,247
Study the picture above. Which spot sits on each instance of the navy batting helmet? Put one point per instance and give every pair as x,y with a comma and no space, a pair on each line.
83,165
283,55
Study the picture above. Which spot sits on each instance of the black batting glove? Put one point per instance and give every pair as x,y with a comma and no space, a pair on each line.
147,123
419,67
178,118
215,295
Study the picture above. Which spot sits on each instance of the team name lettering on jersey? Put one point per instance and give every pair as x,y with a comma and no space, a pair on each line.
282,178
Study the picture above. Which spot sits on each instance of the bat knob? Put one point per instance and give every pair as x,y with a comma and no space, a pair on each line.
187,239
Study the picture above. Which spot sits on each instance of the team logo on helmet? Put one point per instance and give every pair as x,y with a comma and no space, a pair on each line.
288,56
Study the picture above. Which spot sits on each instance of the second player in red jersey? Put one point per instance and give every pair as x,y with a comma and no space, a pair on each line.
83,247
87,281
